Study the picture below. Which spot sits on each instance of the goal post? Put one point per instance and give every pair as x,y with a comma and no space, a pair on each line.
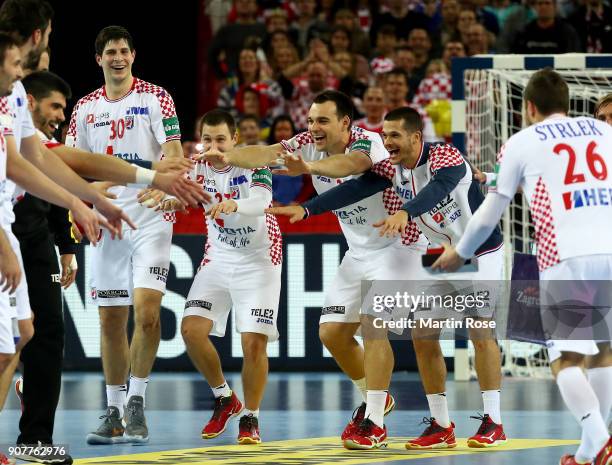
486,110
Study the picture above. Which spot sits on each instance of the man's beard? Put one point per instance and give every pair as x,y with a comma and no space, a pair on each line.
33,59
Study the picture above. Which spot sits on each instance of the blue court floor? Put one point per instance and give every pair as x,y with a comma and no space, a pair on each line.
301,419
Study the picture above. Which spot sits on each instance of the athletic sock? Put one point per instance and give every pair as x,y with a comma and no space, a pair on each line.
600,380
361,385
375,406
491,404
582,402
222,391
255,413
138,387
438,406
116,396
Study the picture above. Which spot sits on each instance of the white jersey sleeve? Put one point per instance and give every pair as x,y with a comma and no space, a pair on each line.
164,121
76,129
508,170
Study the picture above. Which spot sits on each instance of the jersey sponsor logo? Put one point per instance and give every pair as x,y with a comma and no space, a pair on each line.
137,111
171,126
361,145
110,293
102,124
19,101
90,118
264,315
263,177
198,304
160,273
56,278
353,216
238,180
593,197
234,231
128,156
403,193
333,310
567,129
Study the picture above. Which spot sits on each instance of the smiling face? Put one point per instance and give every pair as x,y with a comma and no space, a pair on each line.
116,61
247,62
283,131
217,137
403,146
48,112
10,70
325,127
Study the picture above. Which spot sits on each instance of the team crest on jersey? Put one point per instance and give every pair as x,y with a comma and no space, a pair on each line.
91,118
137,111
129,122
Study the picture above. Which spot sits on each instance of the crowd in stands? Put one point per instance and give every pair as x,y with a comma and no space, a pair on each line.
272,57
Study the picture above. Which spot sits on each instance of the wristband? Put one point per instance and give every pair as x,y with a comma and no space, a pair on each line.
144,176
306,212
143,163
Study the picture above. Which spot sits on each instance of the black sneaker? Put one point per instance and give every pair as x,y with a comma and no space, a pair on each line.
110,431
44,453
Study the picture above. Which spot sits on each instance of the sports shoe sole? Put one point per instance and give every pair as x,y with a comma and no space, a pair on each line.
443,445
348,444
136,439
475,444
214,435
95,439
247,440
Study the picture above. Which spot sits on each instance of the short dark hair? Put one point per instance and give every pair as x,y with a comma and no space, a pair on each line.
387,30
398,72
6,41
20,18
217,117
40,84
249,117
410,118
602,102
344,104
279,119
110,34
548,91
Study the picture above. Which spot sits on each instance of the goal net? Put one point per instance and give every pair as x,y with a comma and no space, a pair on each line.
493,112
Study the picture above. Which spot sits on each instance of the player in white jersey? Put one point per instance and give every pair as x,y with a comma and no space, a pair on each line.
240,270
603,110
135,120
369,257
435,181
562,166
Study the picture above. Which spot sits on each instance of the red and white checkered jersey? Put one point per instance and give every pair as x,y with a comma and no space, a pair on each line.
564,167
133,127
16,122
356,220
436,87
365,124
237,238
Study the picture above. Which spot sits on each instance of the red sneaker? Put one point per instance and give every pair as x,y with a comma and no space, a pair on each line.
4,460
571,460
225,408
489,434
367,436
359,415
605,455
434,437
249,430
19,392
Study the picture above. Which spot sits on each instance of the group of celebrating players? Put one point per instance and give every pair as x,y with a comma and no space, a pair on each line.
385,193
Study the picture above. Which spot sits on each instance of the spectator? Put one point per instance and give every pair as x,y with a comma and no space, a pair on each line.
477,40
307,26
285,189
401,18
275,40
282,59
484,17
318,52
250,75
502,9
374,107
386,40
434,67
465,20
249,131
404,58
355,83
420,43
514,23
276,20
359,39
593,23
547,33
450,16
396,92
452,49
340,40
231,38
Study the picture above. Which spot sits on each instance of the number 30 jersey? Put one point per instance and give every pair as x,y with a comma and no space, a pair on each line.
564,167
132,127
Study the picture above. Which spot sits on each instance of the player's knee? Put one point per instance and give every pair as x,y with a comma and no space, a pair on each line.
112,324
482,344
254,345
189,331
148,321
332,336
426,346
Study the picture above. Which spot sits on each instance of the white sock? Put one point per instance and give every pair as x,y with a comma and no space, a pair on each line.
375,406
116,396
361,385
222,390
255,413
491,403
438,406
138,387
582,402
600,380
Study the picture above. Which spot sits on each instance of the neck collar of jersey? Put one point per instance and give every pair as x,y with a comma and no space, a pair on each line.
225,169
123,96
418,160
555,116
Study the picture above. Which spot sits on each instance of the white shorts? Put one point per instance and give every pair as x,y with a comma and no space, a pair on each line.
393,263
140,260
252,290
7,341
485,284
20,301
582,270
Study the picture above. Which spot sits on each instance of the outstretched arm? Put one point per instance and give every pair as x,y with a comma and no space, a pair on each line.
251,156
333,166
